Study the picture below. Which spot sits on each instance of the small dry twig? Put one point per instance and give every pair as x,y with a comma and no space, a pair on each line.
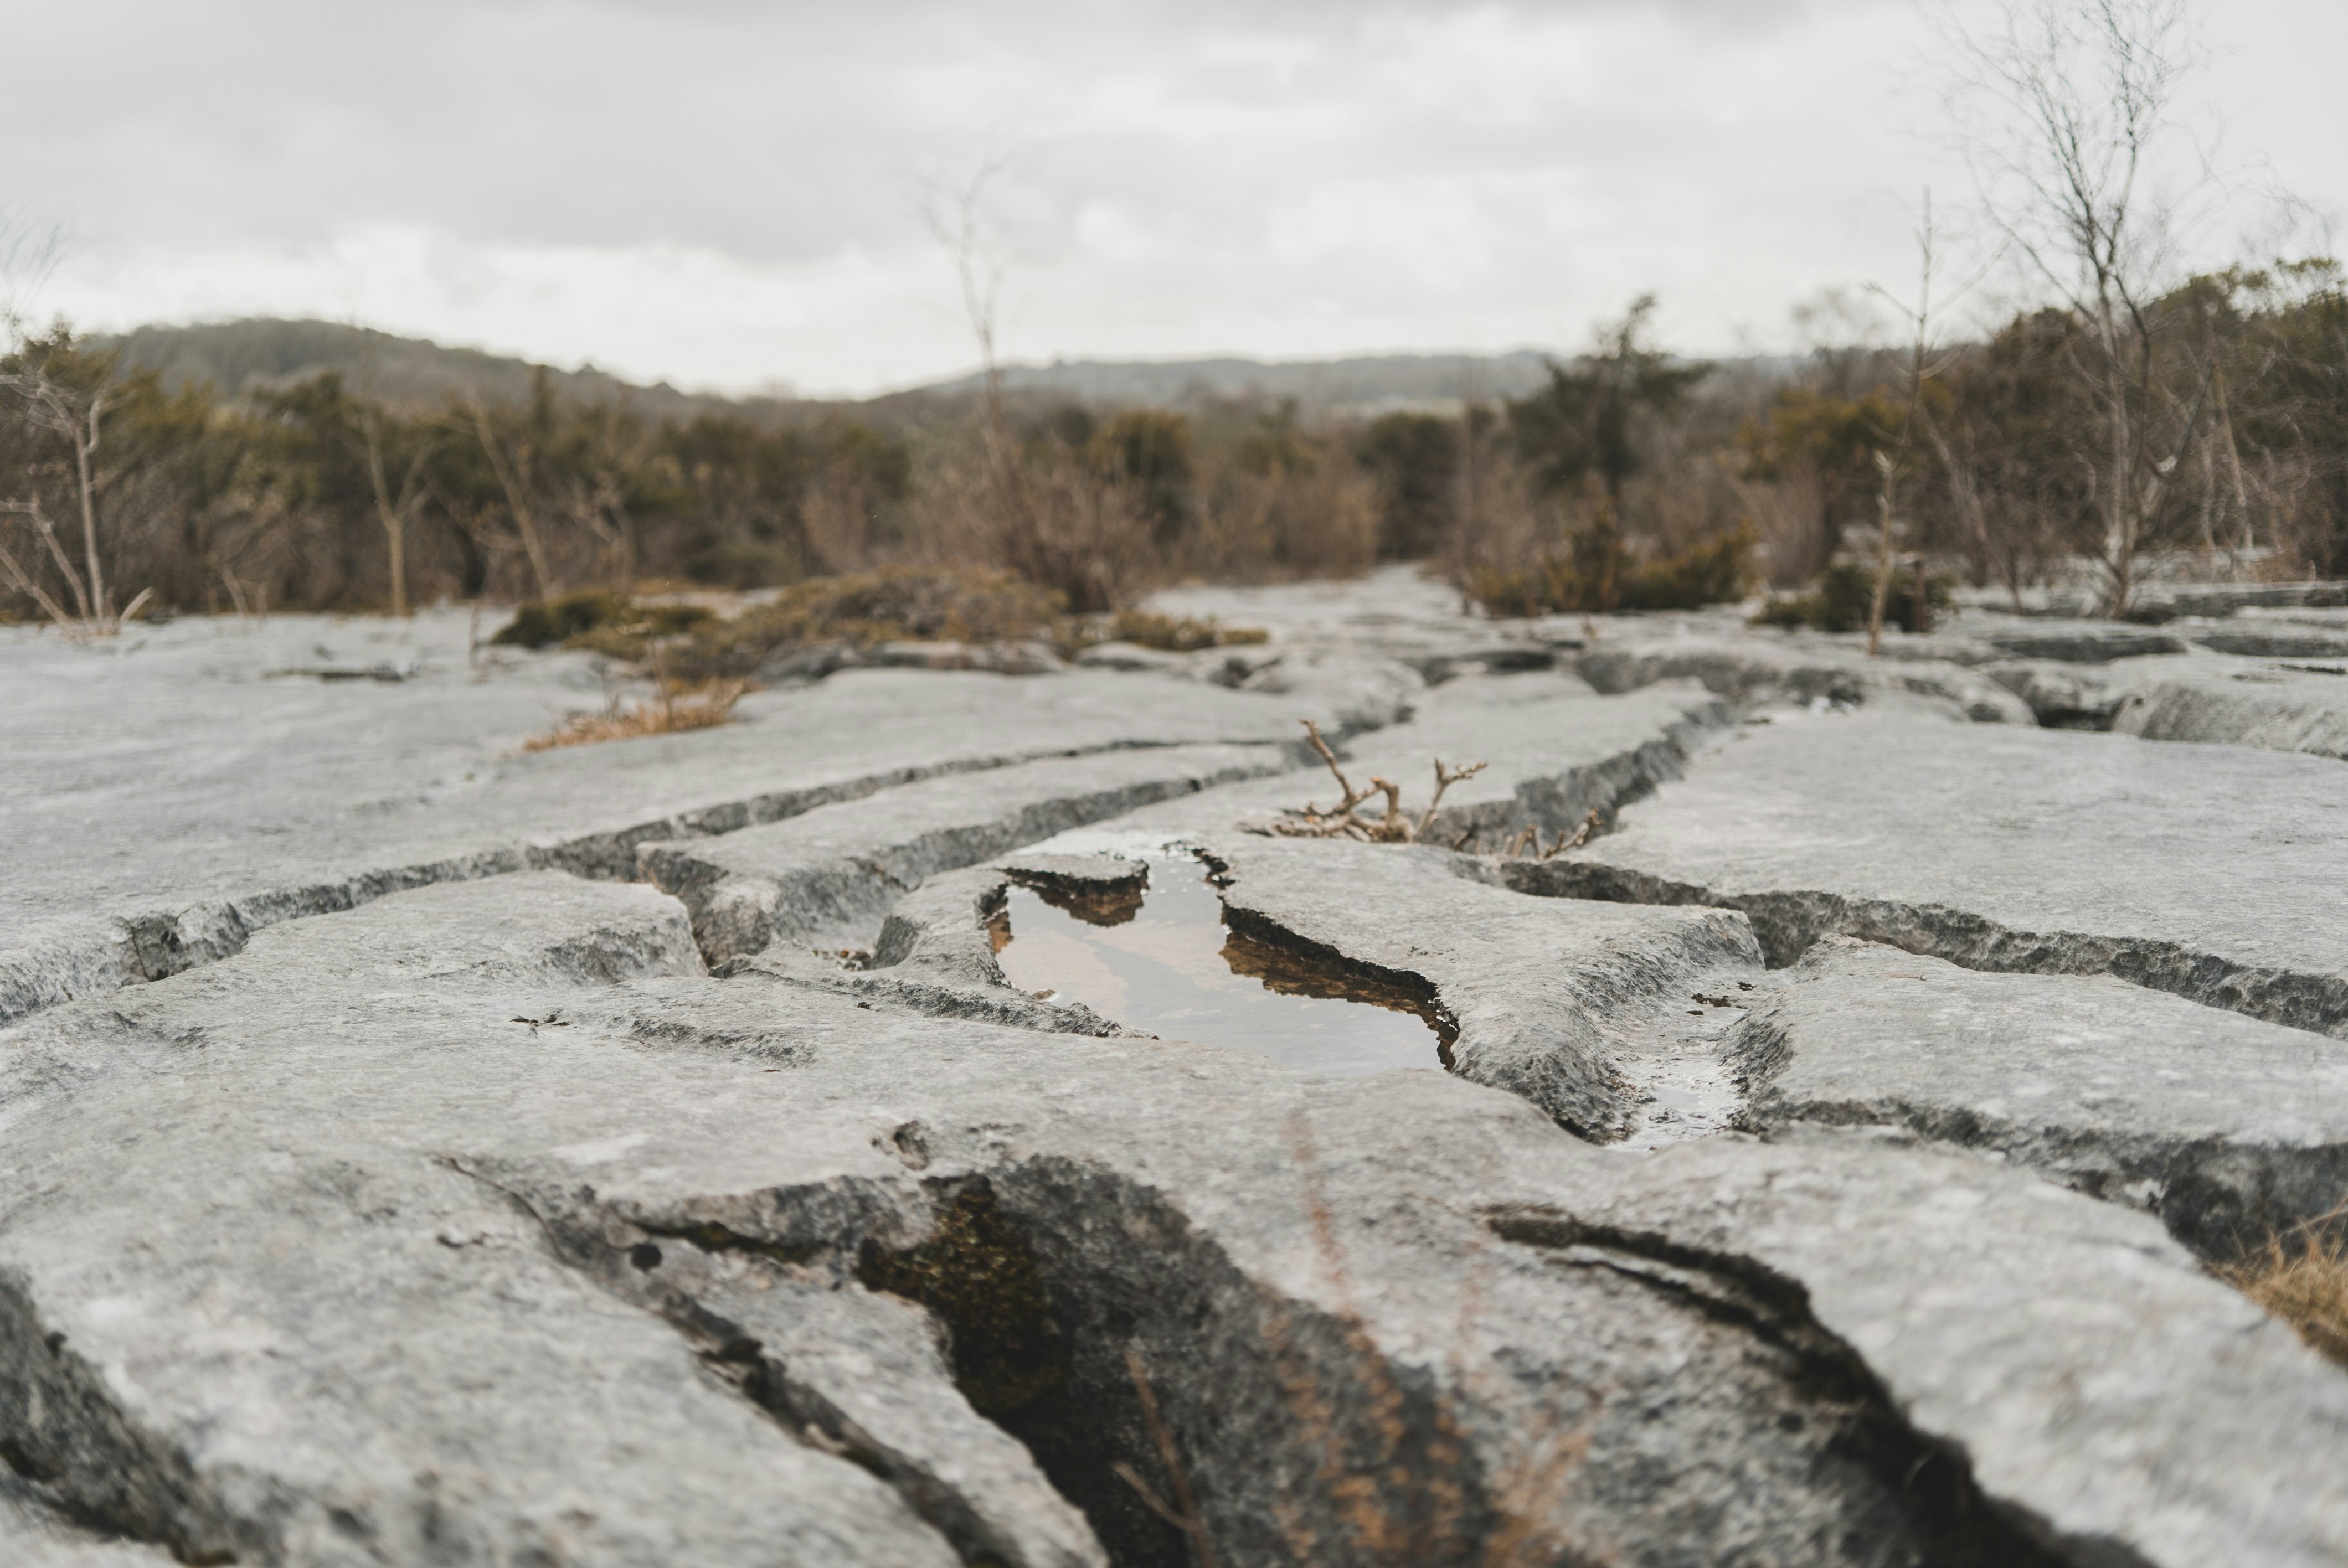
1527,840
1342,821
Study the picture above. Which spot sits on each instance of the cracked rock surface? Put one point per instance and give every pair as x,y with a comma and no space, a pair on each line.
416,1153
664,1268
2229,1129
2211,872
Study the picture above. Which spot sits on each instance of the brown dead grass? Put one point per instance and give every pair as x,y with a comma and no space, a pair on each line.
2306,1286
677,707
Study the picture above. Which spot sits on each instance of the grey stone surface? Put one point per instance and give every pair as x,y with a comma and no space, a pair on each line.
1553,753
2218,873
32,1534
2062,696
162,797
2055,1391
1752,668
484,1223
2083,642
2272,640
827,876
1581,1008
2229,1129
390,1260
2167,602
253,1304
2278,709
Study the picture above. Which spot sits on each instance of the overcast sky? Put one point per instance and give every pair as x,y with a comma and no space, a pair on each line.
721,193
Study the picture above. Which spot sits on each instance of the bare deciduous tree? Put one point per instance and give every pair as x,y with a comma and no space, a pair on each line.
2069,109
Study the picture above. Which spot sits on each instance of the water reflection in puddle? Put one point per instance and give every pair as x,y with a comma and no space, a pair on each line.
1167,964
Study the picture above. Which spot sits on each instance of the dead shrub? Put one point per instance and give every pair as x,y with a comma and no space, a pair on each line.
1342,821
1042,515
2303,1280
1599,572
1298,513
675,707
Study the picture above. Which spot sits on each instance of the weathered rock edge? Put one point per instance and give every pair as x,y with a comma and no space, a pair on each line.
2244,1143
1788,922
1750,670
839,869
1307,1267
1529,997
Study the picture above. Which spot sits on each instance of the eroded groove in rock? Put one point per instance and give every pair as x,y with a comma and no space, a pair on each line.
138,947
35,1533
1929,1480
1749,671
2229,1129
1049,1274
1789,923
773,1311
1581,1009
2007,848
835,872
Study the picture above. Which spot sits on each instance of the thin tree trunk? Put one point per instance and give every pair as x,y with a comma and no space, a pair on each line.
82,450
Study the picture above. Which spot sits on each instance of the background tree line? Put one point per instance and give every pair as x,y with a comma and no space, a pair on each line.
1629,479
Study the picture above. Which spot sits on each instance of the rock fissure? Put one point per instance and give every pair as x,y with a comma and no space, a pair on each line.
1789,923
1930,1479
797,1258
145,946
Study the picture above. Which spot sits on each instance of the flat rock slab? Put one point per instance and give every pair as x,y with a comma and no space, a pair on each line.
1581,1008
1552,752
2272,640
416,1258
2084,641
157,826
2229,1129
2215,872
1752,670
2279,709
2068,1386
832,873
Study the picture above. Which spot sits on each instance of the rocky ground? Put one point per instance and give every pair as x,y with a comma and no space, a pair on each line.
414,1151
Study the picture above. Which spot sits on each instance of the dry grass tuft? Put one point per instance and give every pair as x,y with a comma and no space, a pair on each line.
677,707
2305,1285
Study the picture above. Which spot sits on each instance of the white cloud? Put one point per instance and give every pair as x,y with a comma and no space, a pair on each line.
716,193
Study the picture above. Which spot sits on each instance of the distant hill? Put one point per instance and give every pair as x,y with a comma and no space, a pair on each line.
1367,384
241,357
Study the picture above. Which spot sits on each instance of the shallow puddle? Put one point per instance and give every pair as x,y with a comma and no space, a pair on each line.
1166,963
